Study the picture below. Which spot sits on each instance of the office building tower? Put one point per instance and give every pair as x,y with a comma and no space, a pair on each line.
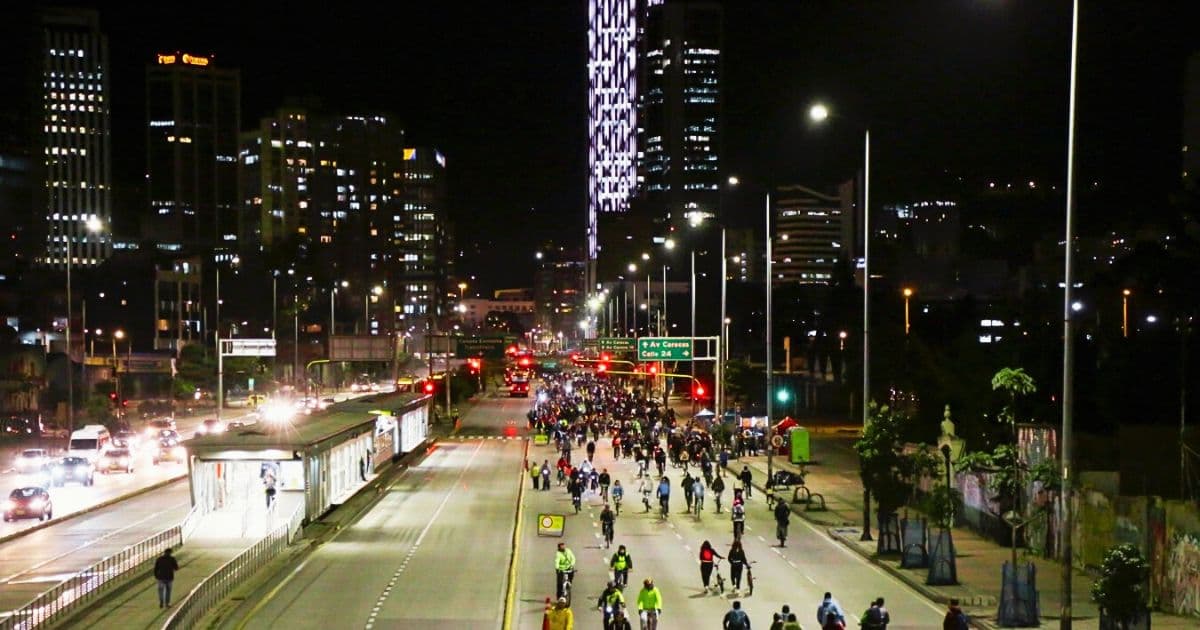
277,159
193,119
74,139
1191,120
679,111
612,116
813,234
421,238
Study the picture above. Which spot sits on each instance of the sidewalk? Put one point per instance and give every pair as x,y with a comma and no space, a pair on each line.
135,605
834,474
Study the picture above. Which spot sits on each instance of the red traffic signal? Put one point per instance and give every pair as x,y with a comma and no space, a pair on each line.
602,367
112,396
428,387
699,390
604,356
653,368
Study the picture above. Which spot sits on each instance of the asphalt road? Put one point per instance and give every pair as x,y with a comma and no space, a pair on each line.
797,575
432,553
37,561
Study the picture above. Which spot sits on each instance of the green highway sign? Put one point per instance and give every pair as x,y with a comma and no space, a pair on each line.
591,343
617,344
664,349
486,347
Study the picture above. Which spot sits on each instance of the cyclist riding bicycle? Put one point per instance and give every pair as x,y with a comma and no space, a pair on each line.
610,600
620,563
604,480
698,495
664,495
645,490
649,603
607,519
738,516
564,567
618,493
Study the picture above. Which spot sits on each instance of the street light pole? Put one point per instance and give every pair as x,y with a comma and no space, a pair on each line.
907,294
693,257
1125,313
866,395
70,367
722,340
770,281
1068,395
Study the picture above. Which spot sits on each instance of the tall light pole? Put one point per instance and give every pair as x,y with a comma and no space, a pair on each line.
91,226
693,257
723,339
669,244
117,334
770,385
1068,395
907,294
332,307
1125,312
819,113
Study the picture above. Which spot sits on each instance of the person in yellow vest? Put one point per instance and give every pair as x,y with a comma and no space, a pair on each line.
561,617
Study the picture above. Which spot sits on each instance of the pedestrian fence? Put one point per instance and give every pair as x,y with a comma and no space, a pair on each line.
92,583
188,527
217,586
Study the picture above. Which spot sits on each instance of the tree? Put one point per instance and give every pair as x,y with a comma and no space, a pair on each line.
1121,589
886,470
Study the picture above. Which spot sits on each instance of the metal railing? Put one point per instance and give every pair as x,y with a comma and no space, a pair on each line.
216,587
188,527
92,583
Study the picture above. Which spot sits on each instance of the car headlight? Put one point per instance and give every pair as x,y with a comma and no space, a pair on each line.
10,505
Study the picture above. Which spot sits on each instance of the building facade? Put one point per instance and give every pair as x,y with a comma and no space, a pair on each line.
679,111
612,115
813,234
193,119
421,238
75,139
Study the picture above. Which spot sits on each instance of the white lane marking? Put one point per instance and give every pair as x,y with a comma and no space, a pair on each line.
762,539
436,513
809,578
85,545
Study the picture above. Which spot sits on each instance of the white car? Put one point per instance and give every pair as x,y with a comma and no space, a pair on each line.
31,460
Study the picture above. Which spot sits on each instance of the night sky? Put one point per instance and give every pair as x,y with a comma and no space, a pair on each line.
973,88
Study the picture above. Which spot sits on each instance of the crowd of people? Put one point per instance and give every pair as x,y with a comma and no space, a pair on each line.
579,413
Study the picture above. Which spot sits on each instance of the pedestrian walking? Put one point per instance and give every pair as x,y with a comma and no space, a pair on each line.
736,618
546,475
827,606
955,618
164,571
535,473
876,617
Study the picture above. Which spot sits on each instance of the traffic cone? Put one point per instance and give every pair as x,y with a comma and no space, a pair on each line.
546,616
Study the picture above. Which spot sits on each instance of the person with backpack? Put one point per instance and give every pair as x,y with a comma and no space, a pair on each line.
738,516
736,618
955,618
620,564
829,605
876,617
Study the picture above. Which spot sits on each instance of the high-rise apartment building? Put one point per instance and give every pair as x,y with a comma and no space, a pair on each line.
612,115
193,119
277,161
679,111
813,234
73,145
421,236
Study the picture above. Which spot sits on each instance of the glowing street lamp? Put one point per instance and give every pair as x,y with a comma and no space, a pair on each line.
907,294
818,113
1125,312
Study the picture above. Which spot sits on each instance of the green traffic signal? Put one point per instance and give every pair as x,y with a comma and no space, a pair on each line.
783,395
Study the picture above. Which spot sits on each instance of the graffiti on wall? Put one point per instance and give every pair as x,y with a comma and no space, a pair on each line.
1182,593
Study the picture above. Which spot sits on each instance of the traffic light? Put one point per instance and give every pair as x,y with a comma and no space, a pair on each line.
604,356
653,369
474,365
698,390
601,367
428,387
783,395
112,398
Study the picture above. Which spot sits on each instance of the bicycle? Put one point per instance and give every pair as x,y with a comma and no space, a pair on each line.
608,534
617,503
750,577
649,619
781,533
575,500
566,587
720,578
663,504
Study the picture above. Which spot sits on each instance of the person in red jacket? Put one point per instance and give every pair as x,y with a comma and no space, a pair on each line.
707,557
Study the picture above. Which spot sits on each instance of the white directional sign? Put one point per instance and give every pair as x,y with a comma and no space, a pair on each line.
248,347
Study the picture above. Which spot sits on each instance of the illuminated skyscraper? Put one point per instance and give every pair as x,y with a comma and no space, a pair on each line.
679,111
74,138
612,114
192,122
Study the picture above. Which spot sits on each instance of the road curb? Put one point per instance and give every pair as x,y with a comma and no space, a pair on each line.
88,510
921,588
511,593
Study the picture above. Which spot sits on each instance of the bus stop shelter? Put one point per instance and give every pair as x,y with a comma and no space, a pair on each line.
323,458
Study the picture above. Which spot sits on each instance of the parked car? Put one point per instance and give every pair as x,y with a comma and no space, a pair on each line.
117,460
28,502
31,459
75,469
